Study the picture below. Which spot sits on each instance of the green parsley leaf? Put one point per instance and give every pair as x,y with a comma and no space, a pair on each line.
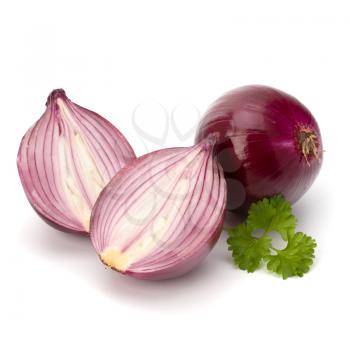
272,214
295,259
247,251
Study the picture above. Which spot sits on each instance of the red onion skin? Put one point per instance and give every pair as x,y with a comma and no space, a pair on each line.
59,227
183,267
48,221
258,147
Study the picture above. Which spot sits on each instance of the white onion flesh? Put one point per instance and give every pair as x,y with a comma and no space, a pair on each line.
162,213
65,160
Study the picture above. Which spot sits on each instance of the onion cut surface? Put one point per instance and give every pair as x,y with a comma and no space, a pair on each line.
66,158
162,213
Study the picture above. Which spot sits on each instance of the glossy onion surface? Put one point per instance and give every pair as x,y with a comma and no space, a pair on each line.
269,143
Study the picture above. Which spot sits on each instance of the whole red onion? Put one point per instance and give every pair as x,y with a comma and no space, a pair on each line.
268,143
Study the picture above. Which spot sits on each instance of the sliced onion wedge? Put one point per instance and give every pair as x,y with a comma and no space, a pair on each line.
66,158
162,213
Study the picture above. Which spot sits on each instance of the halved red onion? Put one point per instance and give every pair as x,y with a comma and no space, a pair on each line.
66,158
162,213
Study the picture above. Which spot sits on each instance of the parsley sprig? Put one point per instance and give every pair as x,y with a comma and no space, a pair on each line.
271,215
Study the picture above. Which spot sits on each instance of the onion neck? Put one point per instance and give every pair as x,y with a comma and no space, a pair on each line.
308,143
56,94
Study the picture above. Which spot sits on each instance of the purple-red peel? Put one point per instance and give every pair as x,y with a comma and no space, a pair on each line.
269,143
65,160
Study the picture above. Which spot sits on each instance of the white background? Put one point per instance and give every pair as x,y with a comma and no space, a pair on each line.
112,56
